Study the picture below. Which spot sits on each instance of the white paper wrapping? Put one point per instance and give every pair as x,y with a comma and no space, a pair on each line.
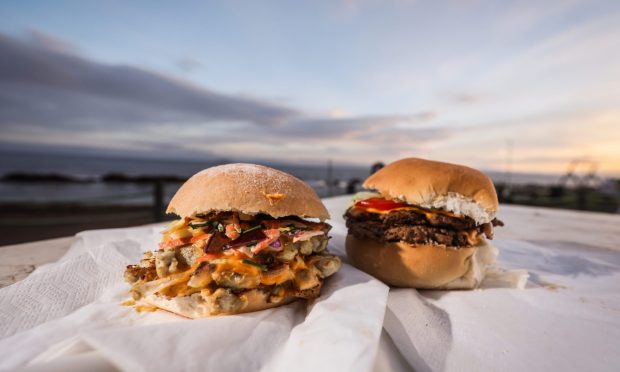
73,307
567,318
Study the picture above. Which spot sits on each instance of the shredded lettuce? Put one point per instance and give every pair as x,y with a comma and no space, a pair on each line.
255,264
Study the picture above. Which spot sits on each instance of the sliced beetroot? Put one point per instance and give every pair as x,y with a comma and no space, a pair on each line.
217,243
251,237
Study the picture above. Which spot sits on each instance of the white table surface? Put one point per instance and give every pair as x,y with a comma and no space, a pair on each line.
550,227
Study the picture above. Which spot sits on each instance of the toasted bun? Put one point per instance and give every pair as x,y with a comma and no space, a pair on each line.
421,266
195,306
433,184
247,188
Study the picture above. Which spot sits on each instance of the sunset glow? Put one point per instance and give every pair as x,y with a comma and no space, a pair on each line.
502,86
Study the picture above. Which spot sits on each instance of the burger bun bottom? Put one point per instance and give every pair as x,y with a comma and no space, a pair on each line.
197,306
423,266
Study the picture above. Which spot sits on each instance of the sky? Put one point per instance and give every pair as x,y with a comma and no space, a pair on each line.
525,86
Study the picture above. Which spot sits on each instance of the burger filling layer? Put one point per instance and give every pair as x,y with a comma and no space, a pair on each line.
223,256
385,220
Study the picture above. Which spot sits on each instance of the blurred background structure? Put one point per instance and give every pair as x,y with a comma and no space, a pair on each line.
105,109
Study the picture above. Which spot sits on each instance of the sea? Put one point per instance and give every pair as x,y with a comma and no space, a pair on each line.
327,179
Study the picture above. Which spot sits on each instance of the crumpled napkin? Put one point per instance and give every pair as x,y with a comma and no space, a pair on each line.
74,306
567,318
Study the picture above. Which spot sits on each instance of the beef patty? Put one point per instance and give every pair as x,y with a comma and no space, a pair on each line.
414,227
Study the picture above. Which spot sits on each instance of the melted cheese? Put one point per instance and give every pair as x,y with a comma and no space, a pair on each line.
298,264
128,303
473,236
176,285
236,266
145,308
277,276
428,213
179,289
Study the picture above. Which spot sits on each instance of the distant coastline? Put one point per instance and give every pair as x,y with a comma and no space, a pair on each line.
105,179
46,196
93,167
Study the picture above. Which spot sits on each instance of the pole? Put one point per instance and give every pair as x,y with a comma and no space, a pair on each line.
329,177
158,200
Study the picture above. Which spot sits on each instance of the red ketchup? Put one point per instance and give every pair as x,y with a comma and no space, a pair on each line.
380,204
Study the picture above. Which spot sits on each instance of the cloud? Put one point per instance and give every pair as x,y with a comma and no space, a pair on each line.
51,96
545,142
463,98
321,131
42,83
524,16
351,127
50,42
581,55
189,65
